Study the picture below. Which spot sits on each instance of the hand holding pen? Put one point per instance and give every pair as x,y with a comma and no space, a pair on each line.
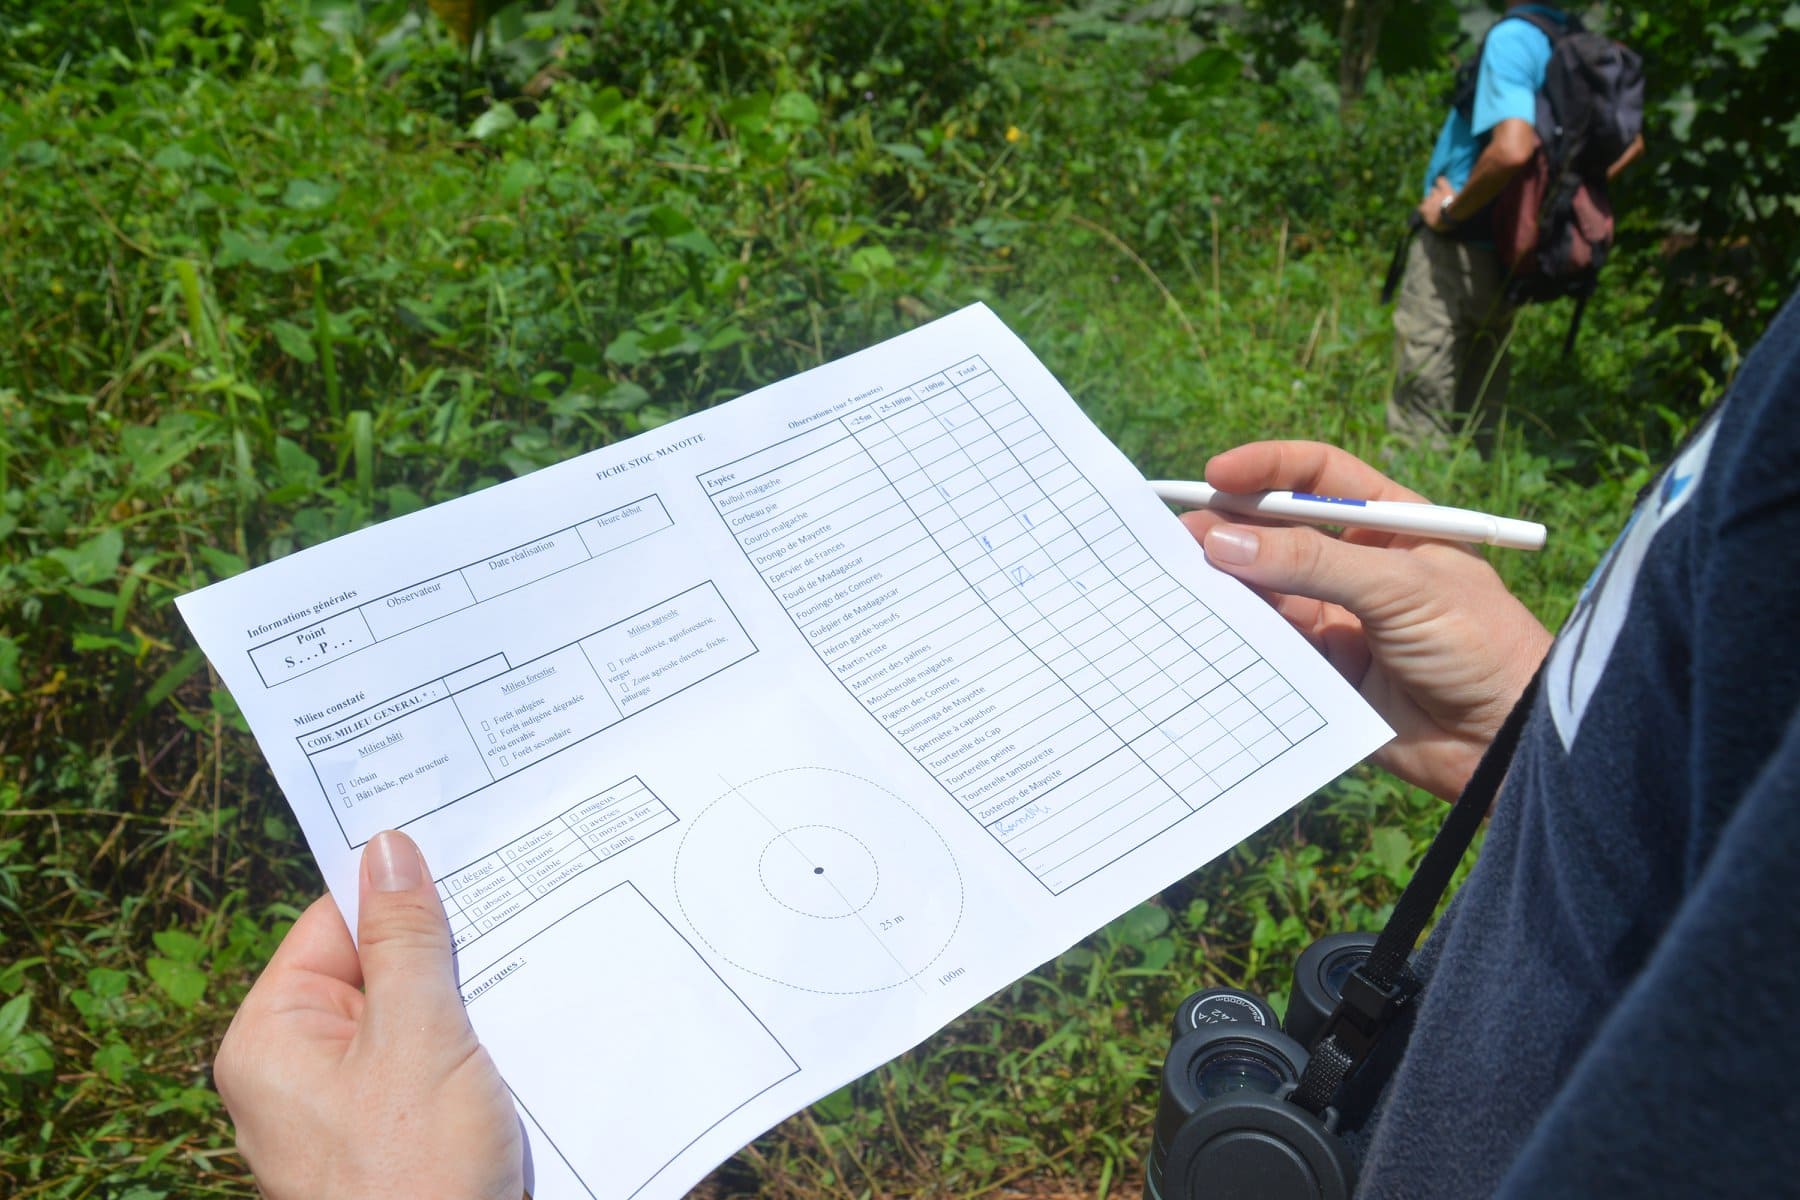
1422,627
1389,516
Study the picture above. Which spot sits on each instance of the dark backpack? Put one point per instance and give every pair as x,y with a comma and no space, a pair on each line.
1552,225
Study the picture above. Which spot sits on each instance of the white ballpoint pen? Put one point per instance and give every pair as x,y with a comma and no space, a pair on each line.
1389,516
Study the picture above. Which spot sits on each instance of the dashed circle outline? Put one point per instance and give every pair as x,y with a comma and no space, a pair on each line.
962,895
762,879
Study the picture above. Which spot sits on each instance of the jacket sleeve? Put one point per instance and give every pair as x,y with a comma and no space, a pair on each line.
1687,1089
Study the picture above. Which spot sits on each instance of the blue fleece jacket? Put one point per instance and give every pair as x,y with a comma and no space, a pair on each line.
1611,998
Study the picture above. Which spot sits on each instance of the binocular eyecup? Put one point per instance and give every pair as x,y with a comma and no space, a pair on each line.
1225,1124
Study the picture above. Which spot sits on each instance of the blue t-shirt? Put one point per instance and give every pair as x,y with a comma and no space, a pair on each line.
1610,999
1513,61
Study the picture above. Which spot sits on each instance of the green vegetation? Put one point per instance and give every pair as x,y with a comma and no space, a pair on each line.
273,272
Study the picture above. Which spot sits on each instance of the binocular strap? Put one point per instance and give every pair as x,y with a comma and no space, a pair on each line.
1380,987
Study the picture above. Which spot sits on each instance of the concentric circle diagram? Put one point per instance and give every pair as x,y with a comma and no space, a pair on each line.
820,880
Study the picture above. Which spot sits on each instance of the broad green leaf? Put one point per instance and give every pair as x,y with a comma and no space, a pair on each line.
184,983
729,335
87,643
93,596
138,1191
623,396
309,247
153,451
295,342
585,127
838,1105
28,1054
179,944
12,1016
94,560
694,242
12,678
494,122
746,113
626,349
871,260
108,982
268,254
173,157
36,153
1141,925
224,564
12,976
1747,43
112,1060
905,151
671,337
668,222
1210,71
519,176
306,195
609,107
1159,954
1392,849
293,462
796,108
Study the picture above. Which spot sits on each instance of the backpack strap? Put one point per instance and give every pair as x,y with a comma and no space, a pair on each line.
1551,28
1462,90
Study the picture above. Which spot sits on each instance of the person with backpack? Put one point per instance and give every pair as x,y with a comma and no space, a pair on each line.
1492,197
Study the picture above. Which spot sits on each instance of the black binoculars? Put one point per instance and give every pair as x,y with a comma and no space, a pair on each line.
1225,1124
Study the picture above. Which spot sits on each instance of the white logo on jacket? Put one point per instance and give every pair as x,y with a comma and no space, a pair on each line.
1585,644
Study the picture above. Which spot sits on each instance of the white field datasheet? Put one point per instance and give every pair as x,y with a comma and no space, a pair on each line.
752,750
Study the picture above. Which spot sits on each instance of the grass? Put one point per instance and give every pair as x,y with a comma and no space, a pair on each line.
270,277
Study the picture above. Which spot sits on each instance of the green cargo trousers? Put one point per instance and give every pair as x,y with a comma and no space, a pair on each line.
1452,325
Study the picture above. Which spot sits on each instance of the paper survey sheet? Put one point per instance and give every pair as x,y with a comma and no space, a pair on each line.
750,751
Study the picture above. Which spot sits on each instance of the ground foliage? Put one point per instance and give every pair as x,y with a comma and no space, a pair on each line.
271,273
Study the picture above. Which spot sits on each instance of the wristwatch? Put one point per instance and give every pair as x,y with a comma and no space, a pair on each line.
1444,216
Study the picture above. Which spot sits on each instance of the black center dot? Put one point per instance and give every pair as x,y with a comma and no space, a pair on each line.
818,870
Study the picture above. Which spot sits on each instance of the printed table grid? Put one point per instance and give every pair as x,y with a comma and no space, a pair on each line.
986,604
298,651
495,719
481,896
